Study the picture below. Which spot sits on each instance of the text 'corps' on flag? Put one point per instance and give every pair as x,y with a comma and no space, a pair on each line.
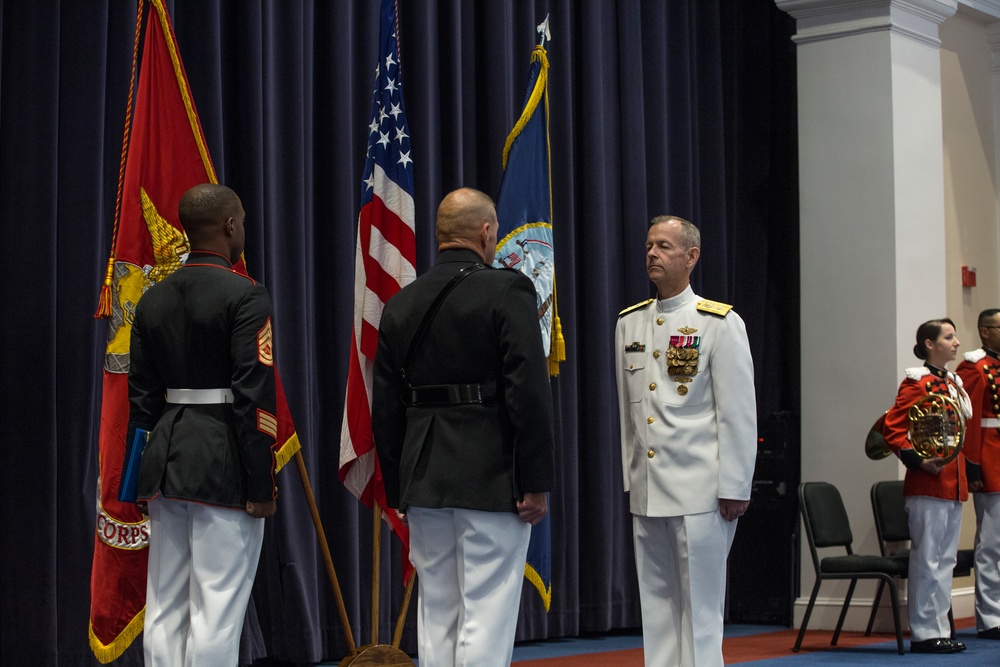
385,260
524,211
164,154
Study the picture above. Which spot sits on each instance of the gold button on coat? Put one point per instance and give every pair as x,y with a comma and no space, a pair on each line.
652,386
656,354
659,321
650,454
650,420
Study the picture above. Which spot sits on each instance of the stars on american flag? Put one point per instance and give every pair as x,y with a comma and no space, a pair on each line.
388,135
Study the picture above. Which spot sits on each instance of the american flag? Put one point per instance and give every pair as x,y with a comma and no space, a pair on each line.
384,262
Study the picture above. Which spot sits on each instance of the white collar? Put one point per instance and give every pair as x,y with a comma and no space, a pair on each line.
676,301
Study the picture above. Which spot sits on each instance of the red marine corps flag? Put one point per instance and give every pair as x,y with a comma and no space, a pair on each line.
163,154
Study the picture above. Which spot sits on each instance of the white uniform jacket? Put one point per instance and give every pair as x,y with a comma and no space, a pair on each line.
686,405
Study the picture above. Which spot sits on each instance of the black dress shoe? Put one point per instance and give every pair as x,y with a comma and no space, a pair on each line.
992,633
937,645
959,646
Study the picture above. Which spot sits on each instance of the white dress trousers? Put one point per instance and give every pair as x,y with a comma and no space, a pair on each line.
470,566
681,565
935,525
987,560
202,563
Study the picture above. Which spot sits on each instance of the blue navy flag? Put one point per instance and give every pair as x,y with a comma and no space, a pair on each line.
524,207
524,211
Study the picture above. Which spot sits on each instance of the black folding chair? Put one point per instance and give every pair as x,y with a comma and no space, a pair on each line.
827,525
891,525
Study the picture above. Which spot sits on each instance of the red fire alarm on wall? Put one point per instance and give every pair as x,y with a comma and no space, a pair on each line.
968,276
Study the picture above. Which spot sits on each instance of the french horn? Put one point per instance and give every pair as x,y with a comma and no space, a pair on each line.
937,427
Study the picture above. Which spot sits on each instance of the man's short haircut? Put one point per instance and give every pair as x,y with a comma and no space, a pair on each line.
987,314
690,236
461,214
205,207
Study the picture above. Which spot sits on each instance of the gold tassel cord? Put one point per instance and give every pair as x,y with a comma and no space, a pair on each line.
104,298
557,347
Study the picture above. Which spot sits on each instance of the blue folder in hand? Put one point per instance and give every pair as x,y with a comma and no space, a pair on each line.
128,487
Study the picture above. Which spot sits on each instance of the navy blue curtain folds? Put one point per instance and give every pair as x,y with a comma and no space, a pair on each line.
684,107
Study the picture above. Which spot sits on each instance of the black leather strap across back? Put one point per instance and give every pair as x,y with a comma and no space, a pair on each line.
432,311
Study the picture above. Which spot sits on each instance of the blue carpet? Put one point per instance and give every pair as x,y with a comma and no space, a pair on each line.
980,652
558,648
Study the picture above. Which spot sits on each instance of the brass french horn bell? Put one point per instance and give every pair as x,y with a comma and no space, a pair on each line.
937,427
937,430
875,445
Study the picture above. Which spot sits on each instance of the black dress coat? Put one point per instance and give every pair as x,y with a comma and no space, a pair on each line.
204,327
471,456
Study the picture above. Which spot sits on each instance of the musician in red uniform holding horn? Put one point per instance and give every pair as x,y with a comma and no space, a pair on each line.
934,487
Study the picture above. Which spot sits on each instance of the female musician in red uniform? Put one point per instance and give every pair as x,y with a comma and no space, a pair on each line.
934,490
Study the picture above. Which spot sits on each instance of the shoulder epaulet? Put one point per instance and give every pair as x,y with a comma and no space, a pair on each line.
714,307
975,355
917,372
641,304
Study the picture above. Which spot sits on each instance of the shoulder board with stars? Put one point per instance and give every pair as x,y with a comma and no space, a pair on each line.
714,307
637,306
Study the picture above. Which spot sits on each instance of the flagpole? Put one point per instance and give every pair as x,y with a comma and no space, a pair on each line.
375,654
376,565
397,638
325,548
376,584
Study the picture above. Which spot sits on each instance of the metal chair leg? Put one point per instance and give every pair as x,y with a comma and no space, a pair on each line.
843,612
871,617
895,614
805,618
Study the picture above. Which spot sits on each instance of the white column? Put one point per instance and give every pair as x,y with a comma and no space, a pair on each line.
871,238
993,39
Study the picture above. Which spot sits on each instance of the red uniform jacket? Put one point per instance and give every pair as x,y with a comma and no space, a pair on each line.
950,483
980,371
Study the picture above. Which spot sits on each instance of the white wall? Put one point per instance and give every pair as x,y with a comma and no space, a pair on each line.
898,191
967,101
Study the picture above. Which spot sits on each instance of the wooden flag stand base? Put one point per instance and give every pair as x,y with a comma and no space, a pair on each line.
374,653
378,654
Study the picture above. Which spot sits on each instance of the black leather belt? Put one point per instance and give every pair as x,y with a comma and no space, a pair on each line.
451,394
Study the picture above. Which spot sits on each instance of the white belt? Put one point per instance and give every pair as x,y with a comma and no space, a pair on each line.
200,396
991,422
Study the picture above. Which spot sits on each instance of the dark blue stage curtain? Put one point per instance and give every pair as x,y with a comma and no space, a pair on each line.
683,107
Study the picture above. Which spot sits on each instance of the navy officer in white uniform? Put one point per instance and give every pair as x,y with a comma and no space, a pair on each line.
689,442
